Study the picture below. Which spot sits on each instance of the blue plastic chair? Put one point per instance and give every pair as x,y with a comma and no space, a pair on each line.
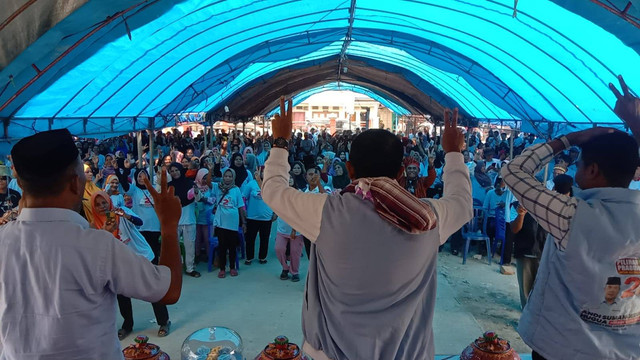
476,230
242,246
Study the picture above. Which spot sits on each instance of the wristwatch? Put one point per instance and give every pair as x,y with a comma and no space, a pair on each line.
281,143
564,141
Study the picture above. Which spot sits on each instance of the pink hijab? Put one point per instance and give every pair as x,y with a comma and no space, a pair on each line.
201,181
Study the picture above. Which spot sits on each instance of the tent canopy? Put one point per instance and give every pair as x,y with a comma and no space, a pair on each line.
108,67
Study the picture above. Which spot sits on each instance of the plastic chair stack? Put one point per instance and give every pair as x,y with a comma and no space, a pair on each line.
476,230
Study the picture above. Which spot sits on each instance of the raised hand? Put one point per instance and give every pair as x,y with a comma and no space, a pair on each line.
580,137
110,226
452,137
314,181
282,124
166,203
521,210
627,106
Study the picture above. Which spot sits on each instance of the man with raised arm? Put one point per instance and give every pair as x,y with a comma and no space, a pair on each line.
593,237
58,277
371,284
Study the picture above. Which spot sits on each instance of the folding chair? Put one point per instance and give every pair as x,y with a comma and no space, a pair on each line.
476,230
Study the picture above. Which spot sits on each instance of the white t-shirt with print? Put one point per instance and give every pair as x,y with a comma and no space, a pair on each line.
226,214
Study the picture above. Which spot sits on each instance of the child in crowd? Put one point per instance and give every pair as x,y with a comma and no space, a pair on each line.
288,236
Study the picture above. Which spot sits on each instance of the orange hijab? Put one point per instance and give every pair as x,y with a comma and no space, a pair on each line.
89,189
100,219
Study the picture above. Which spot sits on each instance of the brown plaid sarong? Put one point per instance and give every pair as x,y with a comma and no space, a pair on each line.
395,204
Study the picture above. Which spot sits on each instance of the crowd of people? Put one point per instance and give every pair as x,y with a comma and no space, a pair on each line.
218,178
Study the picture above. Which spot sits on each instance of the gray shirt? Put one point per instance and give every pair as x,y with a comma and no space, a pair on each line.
370,291
58,286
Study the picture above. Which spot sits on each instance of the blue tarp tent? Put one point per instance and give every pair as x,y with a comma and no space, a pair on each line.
103,68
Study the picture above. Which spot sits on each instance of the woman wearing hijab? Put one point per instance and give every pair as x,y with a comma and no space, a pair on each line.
332,168
121,222
112,187
243,176
108,168
480,181
251,163
341,178
90,188
248,150
259,219
187,224
228,215
299,175
204,207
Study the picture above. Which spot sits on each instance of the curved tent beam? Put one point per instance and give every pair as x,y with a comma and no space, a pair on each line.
257,98
233,71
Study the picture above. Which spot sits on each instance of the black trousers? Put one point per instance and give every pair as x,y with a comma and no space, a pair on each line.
307,246
153,239
124,304
456,241
227,242
253,227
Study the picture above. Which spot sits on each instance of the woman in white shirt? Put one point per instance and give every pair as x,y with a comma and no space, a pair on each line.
259,219
184,189
229,213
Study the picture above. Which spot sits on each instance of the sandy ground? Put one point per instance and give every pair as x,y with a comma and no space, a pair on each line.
491,297
471,299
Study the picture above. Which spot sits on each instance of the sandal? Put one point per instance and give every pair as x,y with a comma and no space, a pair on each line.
123,333
222,274
194,274
164,330
234,272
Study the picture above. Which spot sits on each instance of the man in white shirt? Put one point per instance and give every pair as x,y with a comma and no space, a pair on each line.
59,277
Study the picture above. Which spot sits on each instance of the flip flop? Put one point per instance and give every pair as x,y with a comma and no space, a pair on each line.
164,330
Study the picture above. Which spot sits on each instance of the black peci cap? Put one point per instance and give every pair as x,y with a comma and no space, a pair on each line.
614,280
32,156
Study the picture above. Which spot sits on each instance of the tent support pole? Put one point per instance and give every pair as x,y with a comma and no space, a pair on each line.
513,133
152,148
211,135
139,133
